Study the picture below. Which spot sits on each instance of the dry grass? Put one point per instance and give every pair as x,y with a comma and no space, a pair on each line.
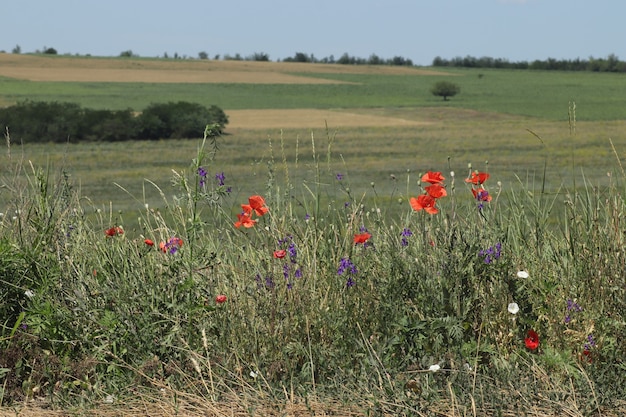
85,69
299,407
310,119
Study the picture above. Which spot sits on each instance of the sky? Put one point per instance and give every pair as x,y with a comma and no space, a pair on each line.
419,30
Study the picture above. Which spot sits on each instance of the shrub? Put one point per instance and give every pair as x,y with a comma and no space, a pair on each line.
41,121
445,89
33,121
178,120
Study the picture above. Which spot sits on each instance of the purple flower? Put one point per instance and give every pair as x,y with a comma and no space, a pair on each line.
590,344
292,251
202,175
220,178
269,283
492,253
573,306
339,176
406,233
346,266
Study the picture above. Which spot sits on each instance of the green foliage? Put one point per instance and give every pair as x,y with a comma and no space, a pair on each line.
67,122
178,120
608,64
445,89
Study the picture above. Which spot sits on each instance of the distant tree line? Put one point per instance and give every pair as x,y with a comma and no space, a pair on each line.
346,59
609,64
35,121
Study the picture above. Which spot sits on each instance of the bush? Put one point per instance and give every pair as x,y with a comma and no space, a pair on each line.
41,121
179,120
67,122
445,89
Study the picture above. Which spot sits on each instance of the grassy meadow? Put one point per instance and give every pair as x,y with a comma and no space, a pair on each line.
127,285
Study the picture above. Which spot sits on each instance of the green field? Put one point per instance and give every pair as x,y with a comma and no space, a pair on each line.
540,94
490,120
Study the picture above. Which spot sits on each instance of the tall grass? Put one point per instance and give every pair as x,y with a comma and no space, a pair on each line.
416,320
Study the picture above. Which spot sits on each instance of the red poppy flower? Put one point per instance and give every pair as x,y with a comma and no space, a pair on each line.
481,194
280,254
433,177
425,202
532,340
220,299
114,231
148,242
477,178
361,238
244,220
256,203
436,191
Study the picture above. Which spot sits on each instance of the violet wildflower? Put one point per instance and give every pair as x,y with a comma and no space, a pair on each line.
339,176
292,251
590,344
406,233
492,253
220,178
171,246
572,308
268,283
346,266
202,173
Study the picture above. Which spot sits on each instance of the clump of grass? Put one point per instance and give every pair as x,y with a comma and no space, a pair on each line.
325,299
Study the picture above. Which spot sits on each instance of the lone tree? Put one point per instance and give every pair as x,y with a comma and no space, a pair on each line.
445,89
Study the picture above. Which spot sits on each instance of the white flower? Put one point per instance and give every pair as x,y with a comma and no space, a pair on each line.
109,399
522,274
513,308
29,293
253,374
434,368
452,174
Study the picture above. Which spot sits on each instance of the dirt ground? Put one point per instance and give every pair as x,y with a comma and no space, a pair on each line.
88,69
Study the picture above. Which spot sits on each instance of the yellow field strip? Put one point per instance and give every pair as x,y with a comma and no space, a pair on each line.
309,119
